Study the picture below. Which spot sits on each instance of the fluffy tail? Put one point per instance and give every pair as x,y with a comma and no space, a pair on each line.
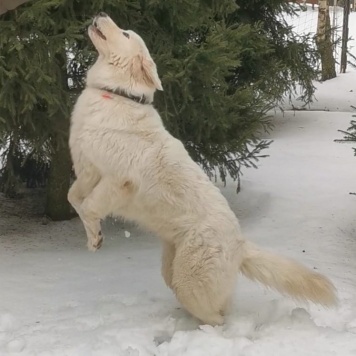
287,276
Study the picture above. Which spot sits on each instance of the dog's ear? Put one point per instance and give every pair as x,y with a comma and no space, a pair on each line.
149,70
145,69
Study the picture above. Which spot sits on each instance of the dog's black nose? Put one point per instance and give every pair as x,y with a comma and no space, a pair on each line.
103,14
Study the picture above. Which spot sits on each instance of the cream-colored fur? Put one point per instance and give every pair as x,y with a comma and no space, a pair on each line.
128,165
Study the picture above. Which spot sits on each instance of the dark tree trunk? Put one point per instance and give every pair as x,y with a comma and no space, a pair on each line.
6,5
345,36
9,181
324,43
57,205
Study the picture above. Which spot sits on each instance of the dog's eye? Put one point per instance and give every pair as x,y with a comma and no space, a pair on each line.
126,34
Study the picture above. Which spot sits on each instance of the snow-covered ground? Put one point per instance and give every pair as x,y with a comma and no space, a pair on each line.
338,94
58,299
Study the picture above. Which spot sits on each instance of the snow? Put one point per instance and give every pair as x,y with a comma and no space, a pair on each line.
327,95
58,299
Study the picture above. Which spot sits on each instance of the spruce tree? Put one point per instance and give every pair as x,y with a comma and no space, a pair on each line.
223,65
349,136
289,63
34,97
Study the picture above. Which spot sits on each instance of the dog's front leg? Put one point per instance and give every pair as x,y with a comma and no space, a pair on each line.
80,190
107,198
96,206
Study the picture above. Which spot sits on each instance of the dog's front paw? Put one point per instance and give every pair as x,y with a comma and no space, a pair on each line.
95,243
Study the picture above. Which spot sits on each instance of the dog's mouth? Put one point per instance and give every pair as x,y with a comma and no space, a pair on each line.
96,30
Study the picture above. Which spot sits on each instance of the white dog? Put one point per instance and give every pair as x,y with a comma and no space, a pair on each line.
128,165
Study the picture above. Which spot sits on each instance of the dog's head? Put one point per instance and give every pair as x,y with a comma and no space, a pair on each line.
124,61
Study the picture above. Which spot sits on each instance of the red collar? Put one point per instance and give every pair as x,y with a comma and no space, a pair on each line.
108,94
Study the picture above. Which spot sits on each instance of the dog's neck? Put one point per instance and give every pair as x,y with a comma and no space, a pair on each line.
143,99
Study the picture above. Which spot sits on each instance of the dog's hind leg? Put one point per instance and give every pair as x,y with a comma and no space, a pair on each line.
168,253
203,281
